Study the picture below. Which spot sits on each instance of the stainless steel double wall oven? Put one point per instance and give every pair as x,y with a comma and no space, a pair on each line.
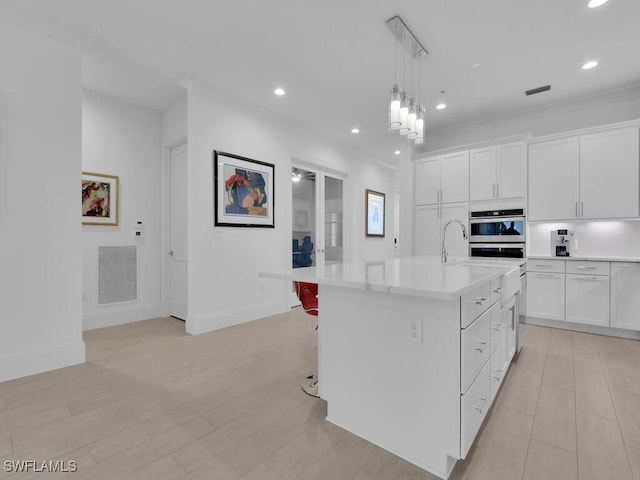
498,234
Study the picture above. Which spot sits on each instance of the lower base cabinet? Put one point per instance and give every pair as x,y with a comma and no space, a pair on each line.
545,295
589,292
587,299
625,295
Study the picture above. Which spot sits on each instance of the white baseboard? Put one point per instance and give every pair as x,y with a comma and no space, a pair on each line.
236,316
109,316
22,364
580,327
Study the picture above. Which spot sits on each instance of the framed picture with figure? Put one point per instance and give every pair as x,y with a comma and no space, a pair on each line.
374,205
243,191
99,199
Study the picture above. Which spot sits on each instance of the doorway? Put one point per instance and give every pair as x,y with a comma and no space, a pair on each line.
317,217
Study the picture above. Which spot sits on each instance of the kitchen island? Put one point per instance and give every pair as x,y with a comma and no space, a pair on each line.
411,352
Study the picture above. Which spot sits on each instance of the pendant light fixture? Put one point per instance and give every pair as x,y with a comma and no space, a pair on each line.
405,110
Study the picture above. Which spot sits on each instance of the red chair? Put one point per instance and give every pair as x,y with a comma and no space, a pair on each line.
308,295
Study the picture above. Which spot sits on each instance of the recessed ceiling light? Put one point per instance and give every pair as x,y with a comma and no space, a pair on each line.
475,65
441,106
355,130
596,3
590,64
279,91
397,152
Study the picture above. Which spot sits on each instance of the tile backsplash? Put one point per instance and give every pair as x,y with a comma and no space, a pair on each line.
620,238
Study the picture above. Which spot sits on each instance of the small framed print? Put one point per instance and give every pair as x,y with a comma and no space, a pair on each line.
100,195
243,191
374,205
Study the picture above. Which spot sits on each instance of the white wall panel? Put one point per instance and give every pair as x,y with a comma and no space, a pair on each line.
40,243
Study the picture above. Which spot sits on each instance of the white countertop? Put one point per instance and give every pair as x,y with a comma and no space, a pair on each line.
422,276
588,258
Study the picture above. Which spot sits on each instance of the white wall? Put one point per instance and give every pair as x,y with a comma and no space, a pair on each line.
124,140
40,244
224,287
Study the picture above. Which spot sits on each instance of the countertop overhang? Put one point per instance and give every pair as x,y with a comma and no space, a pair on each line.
422,276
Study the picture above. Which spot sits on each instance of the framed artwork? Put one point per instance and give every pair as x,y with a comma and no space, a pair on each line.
100,194
374,205
243,191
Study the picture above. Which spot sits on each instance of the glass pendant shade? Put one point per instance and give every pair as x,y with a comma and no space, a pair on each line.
404,115
419,139
412,120
394,109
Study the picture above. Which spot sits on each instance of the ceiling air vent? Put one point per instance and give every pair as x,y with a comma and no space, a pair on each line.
533,91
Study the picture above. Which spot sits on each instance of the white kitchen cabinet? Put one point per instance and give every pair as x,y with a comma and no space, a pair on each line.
546,295
553,180
427,229
429,221
593,176
442,179
587,299
625,295
427,181
482,173
498,172
456,243
454,177
609,174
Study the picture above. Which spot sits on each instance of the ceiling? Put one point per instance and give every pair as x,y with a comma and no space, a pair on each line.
336,58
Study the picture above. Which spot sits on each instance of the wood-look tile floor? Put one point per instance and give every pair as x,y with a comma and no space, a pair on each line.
154,403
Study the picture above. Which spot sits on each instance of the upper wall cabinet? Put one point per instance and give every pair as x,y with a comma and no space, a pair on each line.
498,172
609,174
442,179
594,176
553,180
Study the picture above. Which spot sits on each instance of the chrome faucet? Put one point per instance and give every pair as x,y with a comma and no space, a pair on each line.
443,251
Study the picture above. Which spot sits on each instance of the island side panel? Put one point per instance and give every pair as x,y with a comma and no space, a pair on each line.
381,386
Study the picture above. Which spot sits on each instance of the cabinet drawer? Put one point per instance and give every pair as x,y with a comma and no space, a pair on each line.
475,344
588,267
474,303
554,266
498,367
498,327
473,408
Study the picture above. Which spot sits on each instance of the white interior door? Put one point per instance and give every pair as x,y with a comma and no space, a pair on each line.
178,266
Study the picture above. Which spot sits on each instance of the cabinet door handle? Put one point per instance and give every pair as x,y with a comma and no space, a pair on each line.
498,375
498,327
493,191
585,278
481,301
484,404
586,268
582,209
482,346
497,290
544,275
513,317
497,190
576,209
540,265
